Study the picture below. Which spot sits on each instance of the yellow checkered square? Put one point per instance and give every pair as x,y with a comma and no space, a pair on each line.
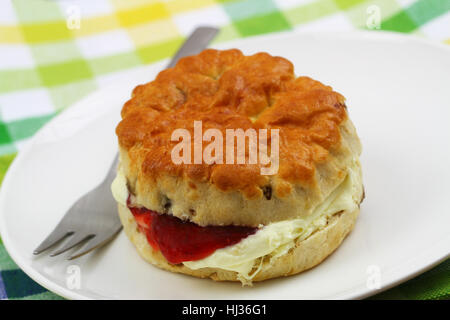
139,15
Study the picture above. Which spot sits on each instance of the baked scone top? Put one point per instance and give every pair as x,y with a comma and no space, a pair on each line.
227,90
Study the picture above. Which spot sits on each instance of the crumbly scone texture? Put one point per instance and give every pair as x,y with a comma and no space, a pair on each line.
227,90
304,255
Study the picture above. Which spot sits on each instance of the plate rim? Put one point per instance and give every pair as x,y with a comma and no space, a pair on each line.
47,283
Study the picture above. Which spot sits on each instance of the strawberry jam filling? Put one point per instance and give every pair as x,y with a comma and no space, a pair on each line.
180,240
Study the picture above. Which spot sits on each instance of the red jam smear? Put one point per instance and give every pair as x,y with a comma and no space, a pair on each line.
180,240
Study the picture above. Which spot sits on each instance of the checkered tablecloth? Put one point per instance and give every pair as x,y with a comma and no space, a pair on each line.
53,53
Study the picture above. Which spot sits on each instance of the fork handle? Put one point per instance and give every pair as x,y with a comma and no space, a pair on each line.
194,44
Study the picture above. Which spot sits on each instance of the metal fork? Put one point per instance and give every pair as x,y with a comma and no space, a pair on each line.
93,219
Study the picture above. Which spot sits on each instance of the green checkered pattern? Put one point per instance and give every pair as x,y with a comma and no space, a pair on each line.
53,53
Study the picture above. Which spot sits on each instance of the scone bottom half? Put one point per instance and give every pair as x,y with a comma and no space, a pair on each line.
229,221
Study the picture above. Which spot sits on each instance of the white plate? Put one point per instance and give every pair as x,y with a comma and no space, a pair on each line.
397,90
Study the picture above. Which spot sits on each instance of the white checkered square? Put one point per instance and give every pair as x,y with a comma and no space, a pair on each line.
7,13
336,22
103,44
288,4
438,29
405,3
15,56
25,104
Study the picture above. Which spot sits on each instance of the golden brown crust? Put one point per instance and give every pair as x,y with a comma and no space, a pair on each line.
227,90
304,255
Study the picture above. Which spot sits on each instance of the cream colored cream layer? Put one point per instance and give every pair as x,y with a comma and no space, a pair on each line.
275,239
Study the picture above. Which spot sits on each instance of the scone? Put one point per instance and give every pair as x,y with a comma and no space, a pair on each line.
228,220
